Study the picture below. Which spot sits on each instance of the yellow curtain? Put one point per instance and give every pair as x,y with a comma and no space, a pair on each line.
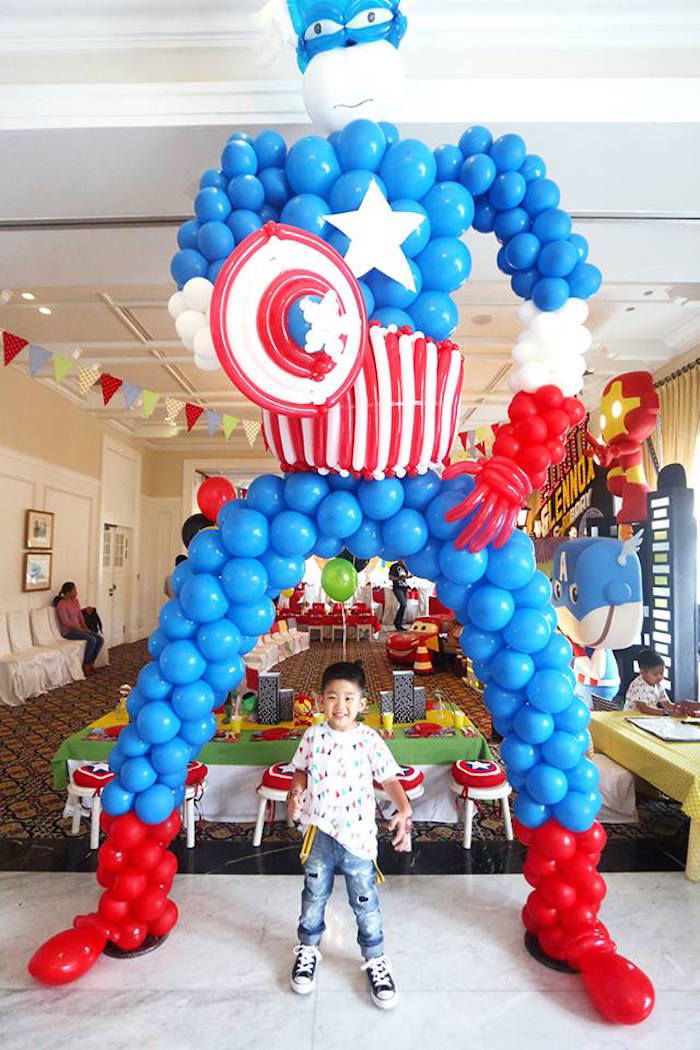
680,417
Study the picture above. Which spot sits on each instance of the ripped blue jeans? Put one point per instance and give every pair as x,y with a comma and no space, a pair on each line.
328,856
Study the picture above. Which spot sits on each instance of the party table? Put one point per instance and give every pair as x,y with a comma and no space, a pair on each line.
236,766
332,619
673,768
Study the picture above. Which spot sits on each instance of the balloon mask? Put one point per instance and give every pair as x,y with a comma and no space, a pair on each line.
345,84
323,27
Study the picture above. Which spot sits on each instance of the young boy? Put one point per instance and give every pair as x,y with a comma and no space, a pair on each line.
646,693
332,792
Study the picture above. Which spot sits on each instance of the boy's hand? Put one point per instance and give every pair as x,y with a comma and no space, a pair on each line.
294,805
400,824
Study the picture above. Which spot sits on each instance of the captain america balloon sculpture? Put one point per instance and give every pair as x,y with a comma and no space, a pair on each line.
321,279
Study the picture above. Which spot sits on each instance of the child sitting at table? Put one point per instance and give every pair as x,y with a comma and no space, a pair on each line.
332,792
647,695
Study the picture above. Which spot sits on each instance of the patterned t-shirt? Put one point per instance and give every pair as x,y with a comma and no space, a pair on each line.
641,692
339,796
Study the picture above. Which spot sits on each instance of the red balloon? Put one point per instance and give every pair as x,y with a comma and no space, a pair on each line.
556,451
557,893
110,857
166,831
574,409
537,866
618,989
548,397
533,460
112,909
540,911
146,855
522,406
106,821
557,422
579,918
531,431
523,834
212,494
578,870
595,889
127,831
506,445
105,878
165,921
555,841
130,935
164,871
529,921
129,884
67,955
150,904
593,840
553,941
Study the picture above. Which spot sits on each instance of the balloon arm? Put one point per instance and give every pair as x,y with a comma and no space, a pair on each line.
595,450
493,506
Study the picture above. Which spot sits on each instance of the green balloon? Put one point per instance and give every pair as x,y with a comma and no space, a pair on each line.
339,579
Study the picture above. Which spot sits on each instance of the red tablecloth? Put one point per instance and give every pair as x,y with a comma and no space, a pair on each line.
311,619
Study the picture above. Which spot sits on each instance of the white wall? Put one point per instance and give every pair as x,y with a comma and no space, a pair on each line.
161,521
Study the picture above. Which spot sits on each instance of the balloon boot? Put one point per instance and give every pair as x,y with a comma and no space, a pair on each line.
562,913
136,870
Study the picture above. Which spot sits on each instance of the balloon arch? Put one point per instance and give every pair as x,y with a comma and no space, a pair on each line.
361,416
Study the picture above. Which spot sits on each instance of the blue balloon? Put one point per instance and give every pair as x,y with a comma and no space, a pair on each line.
503,264
339,514
550,293
247,192
155,805
420,489
580,244
562,750
511,223
214,270
292,534
501,702
130,743
435,515
215,240
137,774
351,188
482,672
534,594
549,690
361,144
173,622
541,195
583,777
245,532
475,139
462,566
254,618
186,264
157,722
425,563
202,599
406,532
522,251
116,759
266,494
238,158
477,174
368,297
307,211
513,565
242,223
157,643
244,579
508,190
270,149
435,314
187,234
275,187
451,594
489,607
135,701
448,162
174,780
524,281
408,169
391,315
181,662
297,325
552,225
484,216
220,640
151,684
444,264
213,177
450,208
312,166
116,799
248,642
226,675
577,811
388,292
530,813
481,645
556,655
557,259
584,280
367,541
512,670
508,152
328,547
303,492
518,754
194,701
532,725
212,205
206,552
527,631
546,784
533,167
391,132
283,571
380,499
416,241
198,731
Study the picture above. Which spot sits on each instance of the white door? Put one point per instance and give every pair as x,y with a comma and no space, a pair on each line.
116,541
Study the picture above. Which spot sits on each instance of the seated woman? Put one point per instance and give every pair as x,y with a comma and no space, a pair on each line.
72,624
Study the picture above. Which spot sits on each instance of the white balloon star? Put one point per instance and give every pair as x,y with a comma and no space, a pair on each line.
376,234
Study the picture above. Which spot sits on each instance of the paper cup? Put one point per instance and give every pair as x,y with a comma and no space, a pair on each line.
460,719
236,723
387,721
318,717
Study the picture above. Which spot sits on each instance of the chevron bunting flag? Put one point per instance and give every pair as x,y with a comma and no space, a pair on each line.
173,408
131,394
110,385
62,366
150,400
87,377
252,429
11,346
213,421
192,413
37,358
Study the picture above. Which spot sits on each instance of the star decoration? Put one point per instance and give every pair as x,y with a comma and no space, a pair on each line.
328,325
376,234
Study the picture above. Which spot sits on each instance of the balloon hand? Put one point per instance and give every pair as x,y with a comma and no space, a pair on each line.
494,503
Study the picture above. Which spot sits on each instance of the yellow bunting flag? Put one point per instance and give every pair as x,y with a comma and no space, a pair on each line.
61,367
149,400
87,377
228,425
173,408
252,429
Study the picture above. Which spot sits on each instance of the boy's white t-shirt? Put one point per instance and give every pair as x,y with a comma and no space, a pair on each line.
640,692
341,768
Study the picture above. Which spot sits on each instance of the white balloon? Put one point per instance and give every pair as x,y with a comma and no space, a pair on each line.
206,364
525,351
347,83
580,339
204,344
533,375
569,382
198,292
187,324
547,324
527,312
514,381
576,310
176,304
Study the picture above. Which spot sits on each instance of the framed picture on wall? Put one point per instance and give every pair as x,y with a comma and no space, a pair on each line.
37,571
38,533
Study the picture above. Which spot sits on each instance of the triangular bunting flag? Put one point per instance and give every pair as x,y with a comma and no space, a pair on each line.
62,366
213,421
463,438
228,425
173,408
87,377
150,400
252,429
192,413
110,385
130,393
12,345
37,358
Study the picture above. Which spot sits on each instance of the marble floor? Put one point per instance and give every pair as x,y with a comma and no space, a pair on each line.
221,979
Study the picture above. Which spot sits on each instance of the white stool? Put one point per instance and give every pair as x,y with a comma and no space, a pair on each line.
193,792
411,780
78,794
337,631
315,627
367,628
274,787
490,794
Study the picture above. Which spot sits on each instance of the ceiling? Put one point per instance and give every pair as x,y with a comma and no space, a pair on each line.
109,111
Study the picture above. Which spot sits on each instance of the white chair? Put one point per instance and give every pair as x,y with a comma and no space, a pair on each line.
315,627
21,642
22,675
466,776
72,651
364,628
86,782
103,655
337,630
274,787
193,793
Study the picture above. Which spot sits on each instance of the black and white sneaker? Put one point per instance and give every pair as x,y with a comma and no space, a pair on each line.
381,983
304,969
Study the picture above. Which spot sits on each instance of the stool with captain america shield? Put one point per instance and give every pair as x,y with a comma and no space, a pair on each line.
477,781
86,783
273,788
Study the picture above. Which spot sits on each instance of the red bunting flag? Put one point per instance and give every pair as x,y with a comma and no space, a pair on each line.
110,385
192,413
12,345
463,434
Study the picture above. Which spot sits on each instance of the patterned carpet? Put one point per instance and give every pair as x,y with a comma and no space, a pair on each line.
30,734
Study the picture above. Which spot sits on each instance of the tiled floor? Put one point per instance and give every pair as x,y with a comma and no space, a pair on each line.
221,979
